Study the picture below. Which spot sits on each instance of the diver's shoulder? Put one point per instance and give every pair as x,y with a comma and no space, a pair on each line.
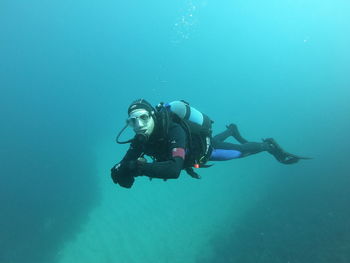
175,127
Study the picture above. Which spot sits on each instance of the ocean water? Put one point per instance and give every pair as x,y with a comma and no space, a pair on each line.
68,72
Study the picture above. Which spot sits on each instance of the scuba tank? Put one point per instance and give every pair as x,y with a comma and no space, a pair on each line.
198,122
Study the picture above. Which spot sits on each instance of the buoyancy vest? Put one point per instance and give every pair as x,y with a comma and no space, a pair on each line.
197,126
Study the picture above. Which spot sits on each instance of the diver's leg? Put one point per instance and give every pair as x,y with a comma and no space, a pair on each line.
231,130
246,149
226,151
222,136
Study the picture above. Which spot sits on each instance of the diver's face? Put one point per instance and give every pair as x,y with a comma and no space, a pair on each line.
141,122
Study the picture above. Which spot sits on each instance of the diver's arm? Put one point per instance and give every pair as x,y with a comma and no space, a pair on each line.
121,173
171,168
132,154
166,170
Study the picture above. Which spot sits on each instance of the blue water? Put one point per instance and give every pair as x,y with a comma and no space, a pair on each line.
69,70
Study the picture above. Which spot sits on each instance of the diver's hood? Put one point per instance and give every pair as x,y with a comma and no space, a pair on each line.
141,104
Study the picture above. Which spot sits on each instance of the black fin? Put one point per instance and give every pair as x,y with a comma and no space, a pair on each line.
282,156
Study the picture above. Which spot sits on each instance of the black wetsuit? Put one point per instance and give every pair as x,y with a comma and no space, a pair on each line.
171,153
167,165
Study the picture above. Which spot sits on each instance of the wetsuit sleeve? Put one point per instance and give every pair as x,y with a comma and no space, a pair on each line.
171,168
121,173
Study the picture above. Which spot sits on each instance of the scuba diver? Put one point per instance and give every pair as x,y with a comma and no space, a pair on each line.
178,137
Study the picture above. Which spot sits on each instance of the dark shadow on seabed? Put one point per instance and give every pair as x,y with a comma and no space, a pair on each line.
304,218
48,186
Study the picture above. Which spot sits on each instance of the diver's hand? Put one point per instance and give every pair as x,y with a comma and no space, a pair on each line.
116,171
121,175
135,166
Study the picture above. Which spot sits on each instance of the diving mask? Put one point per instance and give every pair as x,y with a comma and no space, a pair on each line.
141,121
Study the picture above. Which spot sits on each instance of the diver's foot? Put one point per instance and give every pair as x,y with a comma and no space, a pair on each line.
235,133
282,156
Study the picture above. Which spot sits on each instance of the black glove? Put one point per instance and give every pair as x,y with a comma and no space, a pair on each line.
135,166
121,175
